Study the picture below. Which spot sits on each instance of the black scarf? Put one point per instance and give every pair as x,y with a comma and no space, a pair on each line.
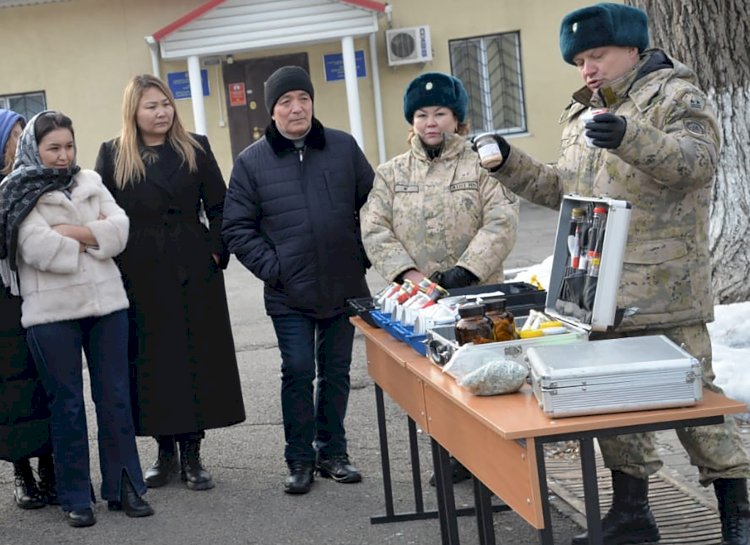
19,193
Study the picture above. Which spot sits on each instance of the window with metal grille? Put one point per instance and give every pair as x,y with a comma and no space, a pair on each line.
490,67
26,104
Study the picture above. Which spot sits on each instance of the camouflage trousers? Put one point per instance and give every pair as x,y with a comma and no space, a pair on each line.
716,450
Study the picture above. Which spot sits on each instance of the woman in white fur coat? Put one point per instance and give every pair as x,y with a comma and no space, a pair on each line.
59,230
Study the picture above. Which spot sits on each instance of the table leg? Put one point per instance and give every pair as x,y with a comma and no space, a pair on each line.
545,534
415,467
385,459
590,490
483,505
445,499
419,512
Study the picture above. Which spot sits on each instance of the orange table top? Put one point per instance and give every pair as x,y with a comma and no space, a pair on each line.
518,415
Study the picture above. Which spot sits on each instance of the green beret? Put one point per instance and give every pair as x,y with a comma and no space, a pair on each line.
435,89
601,25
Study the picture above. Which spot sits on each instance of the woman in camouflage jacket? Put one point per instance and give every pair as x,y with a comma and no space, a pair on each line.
433,211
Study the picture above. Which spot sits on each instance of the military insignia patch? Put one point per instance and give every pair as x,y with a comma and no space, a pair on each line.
695,102
695,127
406,188
428,86
459,186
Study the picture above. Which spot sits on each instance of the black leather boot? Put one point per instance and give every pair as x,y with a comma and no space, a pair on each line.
81,518
630,519
25,491
130,501
192,471
165,467
734,511
301,477
47,482
339,468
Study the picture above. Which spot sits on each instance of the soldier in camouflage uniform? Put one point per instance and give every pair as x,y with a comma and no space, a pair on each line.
433,211
657,147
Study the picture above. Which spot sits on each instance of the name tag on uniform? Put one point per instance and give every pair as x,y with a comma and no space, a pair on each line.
406,188
460,186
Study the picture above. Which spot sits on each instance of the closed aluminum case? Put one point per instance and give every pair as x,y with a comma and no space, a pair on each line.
614,375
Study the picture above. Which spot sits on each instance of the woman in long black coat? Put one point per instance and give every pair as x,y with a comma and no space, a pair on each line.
183,365
24,416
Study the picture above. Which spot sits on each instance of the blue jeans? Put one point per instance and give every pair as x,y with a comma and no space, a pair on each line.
311,346
57,350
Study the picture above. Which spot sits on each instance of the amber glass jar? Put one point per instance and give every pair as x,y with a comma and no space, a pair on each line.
503,324
473,326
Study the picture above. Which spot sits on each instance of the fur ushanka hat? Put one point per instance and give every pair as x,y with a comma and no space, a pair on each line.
601,25
435,89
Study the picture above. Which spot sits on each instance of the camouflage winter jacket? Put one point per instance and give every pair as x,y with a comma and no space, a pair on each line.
664,167
434,214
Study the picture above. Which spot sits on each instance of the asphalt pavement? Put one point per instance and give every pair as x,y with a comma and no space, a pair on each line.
248,505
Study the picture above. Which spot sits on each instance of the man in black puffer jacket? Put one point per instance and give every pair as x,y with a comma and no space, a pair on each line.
291,216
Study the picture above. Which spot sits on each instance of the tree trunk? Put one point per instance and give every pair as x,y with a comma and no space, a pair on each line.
713,38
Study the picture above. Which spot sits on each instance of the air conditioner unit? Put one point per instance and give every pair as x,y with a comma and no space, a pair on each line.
408,45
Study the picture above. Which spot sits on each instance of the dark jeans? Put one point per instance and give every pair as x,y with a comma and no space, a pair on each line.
317,424
57,350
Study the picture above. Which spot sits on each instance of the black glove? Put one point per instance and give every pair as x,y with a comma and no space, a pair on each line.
455,277
502,143
606,130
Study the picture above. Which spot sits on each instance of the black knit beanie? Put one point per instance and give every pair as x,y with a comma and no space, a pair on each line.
285,79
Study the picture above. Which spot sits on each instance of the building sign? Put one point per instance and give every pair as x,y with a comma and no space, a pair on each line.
237,95
334,65
179,84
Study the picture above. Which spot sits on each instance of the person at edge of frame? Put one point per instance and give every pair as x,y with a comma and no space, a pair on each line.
59,231
656,146
433,211
25,431
291,218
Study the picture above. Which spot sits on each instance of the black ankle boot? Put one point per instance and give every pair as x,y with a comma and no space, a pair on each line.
165,466
25,491
629,520
192,471
301,477
81,518
734,511
47,482
130,502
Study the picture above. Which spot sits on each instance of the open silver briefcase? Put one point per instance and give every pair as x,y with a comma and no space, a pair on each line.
614,375
598,314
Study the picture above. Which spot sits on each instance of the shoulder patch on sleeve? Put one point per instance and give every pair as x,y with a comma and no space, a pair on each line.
695,101
695,127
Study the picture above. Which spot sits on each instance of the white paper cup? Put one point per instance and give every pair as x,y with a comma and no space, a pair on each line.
587,116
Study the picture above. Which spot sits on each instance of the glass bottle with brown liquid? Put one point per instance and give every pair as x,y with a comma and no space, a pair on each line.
473,326
503,324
